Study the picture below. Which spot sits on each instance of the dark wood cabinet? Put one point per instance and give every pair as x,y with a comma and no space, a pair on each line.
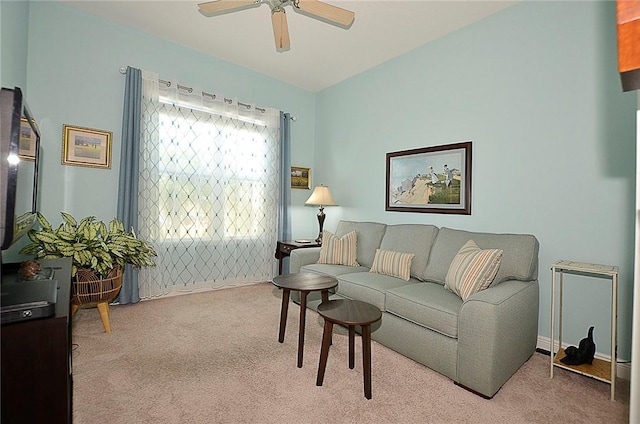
37,374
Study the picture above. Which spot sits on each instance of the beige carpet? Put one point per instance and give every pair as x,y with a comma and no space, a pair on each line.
214,357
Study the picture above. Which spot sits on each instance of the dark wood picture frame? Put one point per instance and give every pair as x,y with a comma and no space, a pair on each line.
430,180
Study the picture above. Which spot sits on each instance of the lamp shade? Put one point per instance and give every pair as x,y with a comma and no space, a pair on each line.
321,196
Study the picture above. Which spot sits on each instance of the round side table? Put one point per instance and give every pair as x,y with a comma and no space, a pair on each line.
348,313
305,283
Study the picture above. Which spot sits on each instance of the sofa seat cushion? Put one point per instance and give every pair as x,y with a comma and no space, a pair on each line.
332,270
426,304
368,287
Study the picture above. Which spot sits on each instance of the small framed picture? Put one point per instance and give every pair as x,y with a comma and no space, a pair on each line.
27,144
86,147
300,177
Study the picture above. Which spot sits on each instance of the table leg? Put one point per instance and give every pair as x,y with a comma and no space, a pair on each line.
325,295
303,317
283,314
352,336
324,352
366,359
325,298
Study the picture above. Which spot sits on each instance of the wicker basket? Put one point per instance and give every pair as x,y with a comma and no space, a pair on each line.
91,289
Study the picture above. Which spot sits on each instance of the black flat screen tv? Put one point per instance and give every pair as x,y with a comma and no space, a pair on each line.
19,165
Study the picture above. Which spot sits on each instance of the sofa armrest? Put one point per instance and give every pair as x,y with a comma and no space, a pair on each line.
497,333
301,257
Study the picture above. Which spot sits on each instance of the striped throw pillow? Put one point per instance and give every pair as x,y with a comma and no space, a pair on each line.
339,251
472,270
395,264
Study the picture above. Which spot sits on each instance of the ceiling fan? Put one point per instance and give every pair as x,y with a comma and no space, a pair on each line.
314,8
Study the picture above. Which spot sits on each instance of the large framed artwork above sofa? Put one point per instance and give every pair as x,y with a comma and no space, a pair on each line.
433,179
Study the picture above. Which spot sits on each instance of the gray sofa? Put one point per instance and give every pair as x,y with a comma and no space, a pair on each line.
479,343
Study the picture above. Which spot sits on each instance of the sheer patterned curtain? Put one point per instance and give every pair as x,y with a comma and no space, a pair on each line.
209,189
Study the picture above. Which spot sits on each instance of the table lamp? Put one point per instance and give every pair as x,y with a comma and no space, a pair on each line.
321,196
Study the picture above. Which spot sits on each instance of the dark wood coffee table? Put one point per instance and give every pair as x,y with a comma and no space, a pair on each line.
304,283
348,313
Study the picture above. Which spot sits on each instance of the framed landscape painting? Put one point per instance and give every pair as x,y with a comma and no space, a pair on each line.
86,147
300,177
431,179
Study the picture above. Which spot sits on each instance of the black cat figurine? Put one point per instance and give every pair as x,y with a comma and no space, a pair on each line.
583,354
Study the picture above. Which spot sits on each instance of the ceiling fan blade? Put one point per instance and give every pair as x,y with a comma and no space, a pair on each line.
219,7
326,12
280,30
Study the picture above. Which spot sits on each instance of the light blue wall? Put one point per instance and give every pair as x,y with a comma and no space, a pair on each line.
74,60
536,89
14,25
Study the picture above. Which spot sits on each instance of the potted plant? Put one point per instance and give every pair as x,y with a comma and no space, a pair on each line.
99,254
92,244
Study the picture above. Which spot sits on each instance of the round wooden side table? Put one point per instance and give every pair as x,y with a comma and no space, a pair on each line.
348,313
305,283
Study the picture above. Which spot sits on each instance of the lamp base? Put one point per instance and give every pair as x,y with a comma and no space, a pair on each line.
321,217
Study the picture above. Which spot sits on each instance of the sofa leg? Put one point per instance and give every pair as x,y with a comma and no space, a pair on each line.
473,391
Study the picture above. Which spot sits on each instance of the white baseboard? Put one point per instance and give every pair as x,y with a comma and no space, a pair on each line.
623,370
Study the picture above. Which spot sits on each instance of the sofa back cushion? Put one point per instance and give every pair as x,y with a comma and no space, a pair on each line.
411,238
339,251
472,270
369,237
519,258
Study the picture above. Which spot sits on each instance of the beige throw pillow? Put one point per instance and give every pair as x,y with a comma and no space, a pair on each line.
339,251
472,269
395,264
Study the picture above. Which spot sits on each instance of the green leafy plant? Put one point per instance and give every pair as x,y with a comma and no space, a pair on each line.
91,244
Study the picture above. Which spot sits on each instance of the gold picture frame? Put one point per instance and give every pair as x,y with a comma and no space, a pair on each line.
27,143
86,147
300,178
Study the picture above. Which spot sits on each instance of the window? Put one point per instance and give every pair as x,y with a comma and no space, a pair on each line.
211,173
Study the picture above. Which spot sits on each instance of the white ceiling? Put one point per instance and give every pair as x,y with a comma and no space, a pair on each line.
321,54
